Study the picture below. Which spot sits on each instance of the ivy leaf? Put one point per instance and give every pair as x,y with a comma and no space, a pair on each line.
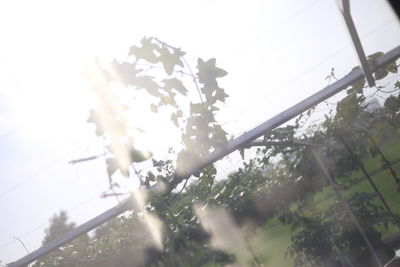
176,84
384,71
220,134
196,108
112,166
174,119
220,94
208,72
241,151
153,108
168,100
139,155
392,104
184,162
169,60
94,118
179,113
147,82
126,72
187,142
146,51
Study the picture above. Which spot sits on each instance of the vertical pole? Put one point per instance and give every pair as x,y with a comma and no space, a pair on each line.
345,205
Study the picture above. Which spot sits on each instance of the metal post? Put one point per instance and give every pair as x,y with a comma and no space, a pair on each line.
345,205
74,233
371,182
344,6
287,115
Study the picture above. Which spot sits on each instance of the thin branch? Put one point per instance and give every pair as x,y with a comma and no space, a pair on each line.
86,159
22,243
184,185
186,64
111,186
104,195
387,92
137,174
194,80
283,143
150,66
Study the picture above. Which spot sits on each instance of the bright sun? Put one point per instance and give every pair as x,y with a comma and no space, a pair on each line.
50,96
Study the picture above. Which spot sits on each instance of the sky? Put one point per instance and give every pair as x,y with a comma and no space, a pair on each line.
276,54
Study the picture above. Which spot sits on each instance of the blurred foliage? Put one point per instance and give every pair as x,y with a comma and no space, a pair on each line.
278,181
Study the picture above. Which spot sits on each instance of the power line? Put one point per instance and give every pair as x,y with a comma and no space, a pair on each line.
9,133
37,174
246,110
277,26
39,227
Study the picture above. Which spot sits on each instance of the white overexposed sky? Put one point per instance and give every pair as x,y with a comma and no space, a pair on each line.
276,54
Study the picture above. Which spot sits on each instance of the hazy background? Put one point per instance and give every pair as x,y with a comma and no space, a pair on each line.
276,53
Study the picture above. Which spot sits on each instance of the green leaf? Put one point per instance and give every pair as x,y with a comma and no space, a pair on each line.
196,108
185,161
241,151
176,84
174,119
112,166
179,113
153,108
382,72
146,51
139,155
392,104
147,82
126,72
392,67
170,60
94,118
220,94
167,100
208,72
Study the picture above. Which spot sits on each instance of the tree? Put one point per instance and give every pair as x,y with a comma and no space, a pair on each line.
59,225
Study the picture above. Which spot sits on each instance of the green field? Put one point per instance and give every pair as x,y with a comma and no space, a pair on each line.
271,241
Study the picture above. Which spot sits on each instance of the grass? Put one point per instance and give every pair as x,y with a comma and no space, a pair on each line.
271,241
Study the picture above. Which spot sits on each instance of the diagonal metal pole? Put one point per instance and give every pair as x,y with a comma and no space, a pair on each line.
241,141
344,6
293,143
346,205
74,233
287,115
383,157
371,182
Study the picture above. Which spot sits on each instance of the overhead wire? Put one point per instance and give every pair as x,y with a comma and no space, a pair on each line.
41,171
9,133
39,227
280,24
262,99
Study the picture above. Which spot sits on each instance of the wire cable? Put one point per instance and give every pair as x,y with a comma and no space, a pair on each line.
39,227
262,99
39,172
